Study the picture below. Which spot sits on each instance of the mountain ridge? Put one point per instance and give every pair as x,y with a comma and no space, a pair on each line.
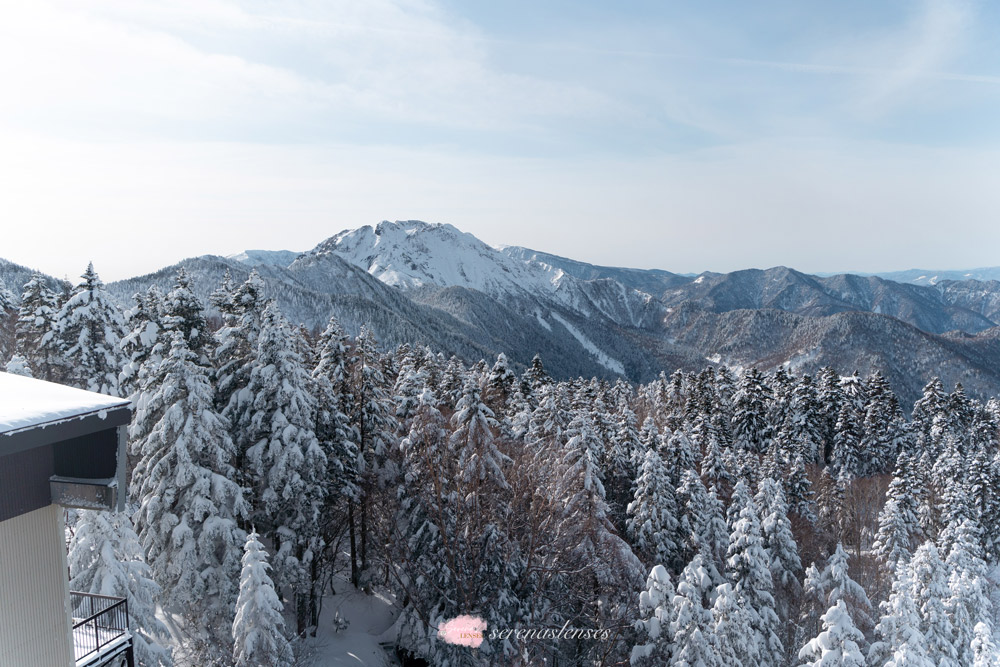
432,284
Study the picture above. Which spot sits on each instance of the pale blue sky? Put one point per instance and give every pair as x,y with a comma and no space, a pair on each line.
677,135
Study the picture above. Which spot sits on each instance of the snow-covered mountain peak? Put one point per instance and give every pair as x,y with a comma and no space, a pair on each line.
413,253
265,257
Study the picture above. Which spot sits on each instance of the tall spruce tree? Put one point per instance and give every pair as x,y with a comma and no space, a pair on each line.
691,627
258,627
141,345
747,565
901,644
188,503
337,438
969,601
87,333
242,308
930,593
282,464
372,419
898,522
750,407
780,544
652,515
656,605
984,650
36,317
184,312
837,644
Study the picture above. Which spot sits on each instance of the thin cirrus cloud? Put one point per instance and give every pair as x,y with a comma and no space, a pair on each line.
365,63
706,137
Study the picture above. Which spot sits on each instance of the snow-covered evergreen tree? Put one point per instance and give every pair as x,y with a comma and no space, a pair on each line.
822,589
474,440
534,379
501,384
282,464
902,643
829,398
968,603
236,342
931,593
105,558
898,522
652,514
428,520
656,605
837,644
188,503
750,427
783,553
702,525
984,650
87,333
36,317
258,627
18,365
8,321
747,565
692,626
803,425
620,456
337,438
730,618
371,416
714,466
847,456
883,427
141,344
929,407
184,312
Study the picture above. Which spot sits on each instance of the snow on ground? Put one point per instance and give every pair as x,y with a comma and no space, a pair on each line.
371,620
611,364
801,358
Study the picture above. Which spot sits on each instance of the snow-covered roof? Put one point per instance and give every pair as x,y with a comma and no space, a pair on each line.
27,404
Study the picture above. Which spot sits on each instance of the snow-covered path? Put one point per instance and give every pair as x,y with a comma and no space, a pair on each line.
371,620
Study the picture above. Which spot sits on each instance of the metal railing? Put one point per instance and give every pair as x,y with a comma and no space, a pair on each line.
98,620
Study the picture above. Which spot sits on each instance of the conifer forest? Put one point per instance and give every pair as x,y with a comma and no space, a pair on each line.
728,517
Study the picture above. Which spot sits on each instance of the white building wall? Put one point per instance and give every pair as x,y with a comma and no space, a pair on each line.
34,591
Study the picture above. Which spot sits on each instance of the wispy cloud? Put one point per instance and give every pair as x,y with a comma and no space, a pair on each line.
240,123
324,68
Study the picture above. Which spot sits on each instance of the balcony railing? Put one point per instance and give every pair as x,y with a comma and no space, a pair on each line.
100,623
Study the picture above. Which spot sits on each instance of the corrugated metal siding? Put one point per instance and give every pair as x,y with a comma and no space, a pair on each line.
24,481
34,588
94,455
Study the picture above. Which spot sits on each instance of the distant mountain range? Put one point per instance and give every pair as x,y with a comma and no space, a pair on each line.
433,284
925,277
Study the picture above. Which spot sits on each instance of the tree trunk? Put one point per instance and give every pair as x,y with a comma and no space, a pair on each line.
364,534
354,546
301,613
315,595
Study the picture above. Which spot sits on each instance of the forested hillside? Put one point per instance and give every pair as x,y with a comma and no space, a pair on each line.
702,518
